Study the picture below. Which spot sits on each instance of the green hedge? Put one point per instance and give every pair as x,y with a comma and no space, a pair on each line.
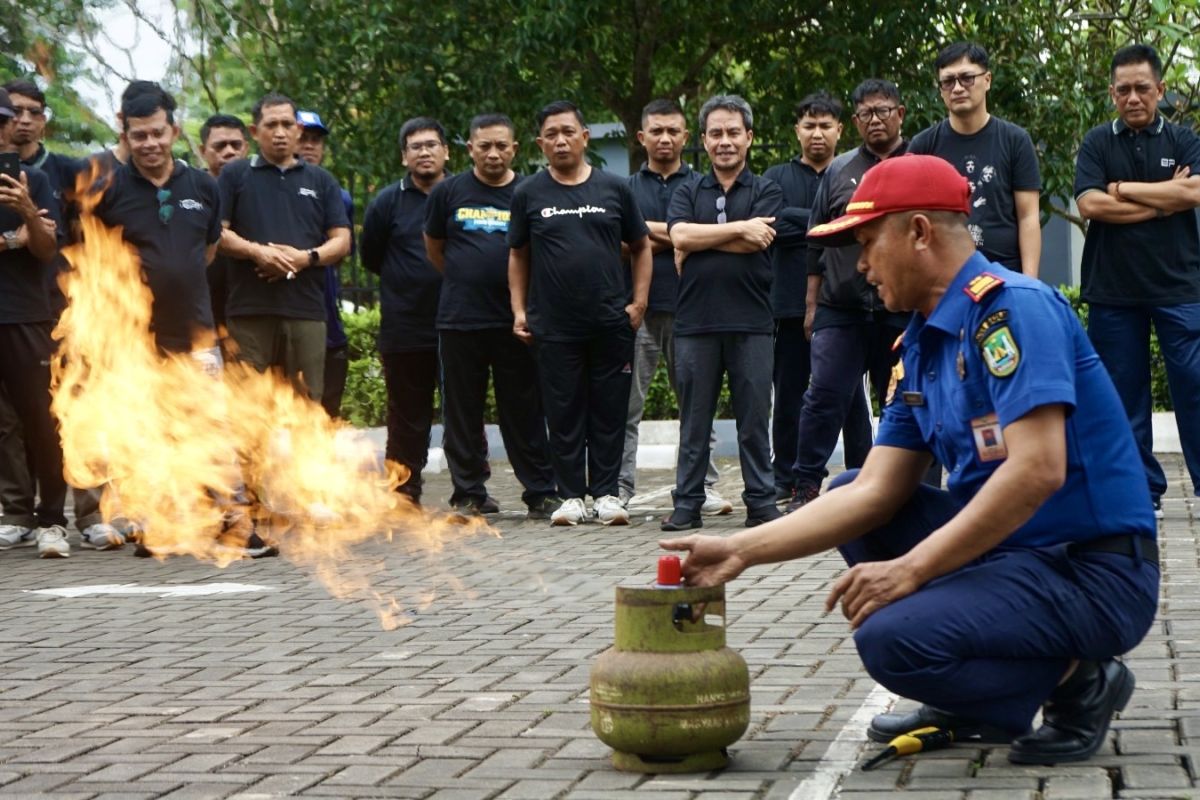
365,401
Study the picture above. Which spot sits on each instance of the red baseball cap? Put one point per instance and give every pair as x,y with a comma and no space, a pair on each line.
903,183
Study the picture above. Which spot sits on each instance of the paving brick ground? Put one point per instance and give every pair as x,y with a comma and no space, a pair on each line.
483,694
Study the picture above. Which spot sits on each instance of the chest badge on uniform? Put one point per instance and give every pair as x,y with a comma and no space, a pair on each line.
989,438
1000,352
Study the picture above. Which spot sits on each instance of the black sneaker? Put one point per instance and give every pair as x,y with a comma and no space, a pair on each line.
762,515
475,506
1158,512
256,547
681,521
542,509
803,496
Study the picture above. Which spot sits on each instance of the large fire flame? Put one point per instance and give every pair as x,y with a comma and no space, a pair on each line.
173,444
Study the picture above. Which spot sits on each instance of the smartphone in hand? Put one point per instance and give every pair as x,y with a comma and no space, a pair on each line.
10,164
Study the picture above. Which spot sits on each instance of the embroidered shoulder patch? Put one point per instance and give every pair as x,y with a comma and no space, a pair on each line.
1000,352
981,284
991,321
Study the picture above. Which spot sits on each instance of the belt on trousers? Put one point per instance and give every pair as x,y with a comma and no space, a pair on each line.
1124,545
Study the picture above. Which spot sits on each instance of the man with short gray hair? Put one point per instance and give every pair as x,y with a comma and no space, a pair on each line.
721,227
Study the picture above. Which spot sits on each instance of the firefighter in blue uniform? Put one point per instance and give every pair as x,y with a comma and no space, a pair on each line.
1017,587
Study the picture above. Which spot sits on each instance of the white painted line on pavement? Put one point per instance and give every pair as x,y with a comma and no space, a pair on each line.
162,590
842,754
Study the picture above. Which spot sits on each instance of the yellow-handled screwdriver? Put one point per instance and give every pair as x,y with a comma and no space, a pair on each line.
906,744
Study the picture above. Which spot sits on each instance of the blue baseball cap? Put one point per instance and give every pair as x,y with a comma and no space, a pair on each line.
311,119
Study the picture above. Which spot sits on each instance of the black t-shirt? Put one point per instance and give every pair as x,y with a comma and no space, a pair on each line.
653,193
298,207
574,233
1151,263
723,292
24,293
789,285
391,246
472,217
171,245
996,160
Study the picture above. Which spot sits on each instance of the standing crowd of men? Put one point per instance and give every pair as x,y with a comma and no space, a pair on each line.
566,288
910,262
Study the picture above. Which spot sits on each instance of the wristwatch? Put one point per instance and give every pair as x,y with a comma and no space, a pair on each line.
314,258
10,240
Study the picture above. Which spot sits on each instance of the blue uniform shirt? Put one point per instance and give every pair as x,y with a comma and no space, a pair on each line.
997,346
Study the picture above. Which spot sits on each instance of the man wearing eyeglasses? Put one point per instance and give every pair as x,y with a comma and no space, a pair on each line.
284,220
393,247
26,317
722,227
995,156
852,332
25,134
1137,181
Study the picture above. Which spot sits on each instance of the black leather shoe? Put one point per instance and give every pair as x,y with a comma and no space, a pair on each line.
885,727
761,515
681,521
1076,716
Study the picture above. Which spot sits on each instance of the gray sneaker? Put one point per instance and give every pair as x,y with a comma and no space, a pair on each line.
15,536
52,542
101,536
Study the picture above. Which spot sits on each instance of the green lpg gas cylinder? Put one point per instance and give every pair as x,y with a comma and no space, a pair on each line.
669,696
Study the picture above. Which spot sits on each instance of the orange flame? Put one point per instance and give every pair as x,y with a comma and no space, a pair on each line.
173,444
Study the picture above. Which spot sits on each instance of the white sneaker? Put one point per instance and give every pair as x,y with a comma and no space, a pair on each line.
52,542
571,512
609,511
715,505
101,536
15,536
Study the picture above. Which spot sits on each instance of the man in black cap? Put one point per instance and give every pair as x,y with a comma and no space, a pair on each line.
26,317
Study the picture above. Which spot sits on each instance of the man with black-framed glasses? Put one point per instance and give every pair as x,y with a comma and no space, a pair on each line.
995,156
392,246
852,332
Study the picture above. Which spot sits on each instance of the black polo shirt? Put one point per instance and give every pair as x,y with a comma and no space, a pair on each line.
172,252
61,171
472,217
24,294
789,286
1151,263
296,206
723,292
652,193
574,233
392,247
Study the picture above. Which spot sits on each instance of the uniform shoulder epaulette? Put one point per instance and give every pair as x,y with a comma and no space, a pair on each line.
981,284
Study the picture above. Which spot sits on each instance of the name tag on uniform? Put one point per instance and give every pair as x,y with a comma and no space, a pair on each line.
989,438
912,398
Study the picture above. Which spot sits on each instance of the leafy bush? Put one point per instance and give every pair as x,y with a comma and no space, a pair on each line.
1159,391
365,401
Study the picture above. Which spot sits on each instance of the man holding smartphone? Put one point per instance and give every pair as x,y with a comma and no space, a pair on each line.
27,206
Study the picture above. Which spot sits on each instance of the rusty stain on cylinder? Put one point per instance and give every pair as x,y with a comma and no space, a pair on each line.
669,696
